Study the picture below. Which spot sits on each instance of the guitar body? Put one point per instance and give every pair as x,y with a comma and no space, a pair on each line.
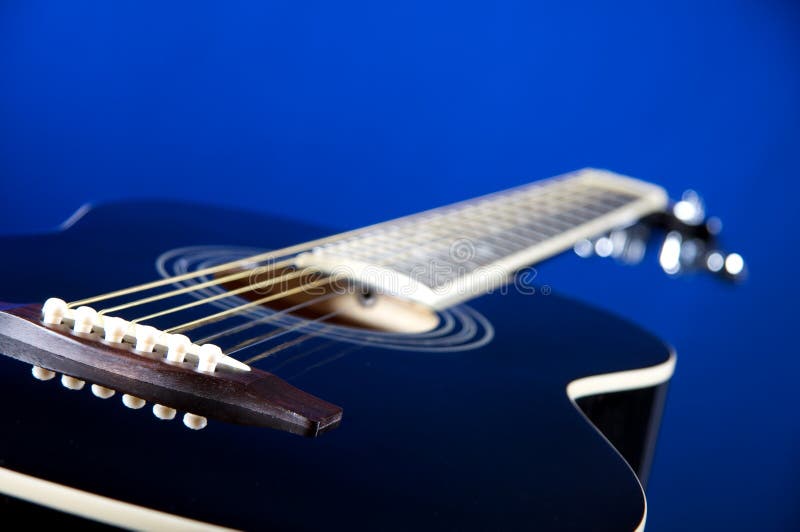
483,435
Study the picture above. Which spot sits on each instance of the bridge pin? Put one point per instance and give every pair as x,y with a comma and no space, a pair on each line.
115,329
54,310
164,412
146,337
208,357
102,392
72,383
42,374
194,422
85,318
177,346
132,401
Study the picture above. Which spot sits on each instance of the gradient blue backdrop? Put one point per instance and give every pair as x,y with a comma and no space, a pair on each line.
346,114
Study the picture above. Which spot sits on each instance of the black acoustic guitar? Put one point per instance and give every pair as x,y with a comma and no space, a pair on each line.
403,376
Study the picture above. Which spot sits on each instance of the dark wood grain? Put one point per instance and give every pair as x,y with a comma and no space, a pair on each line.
250,398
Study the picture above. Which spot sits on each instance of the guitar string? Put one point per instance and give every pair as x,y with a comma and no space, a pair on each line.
261,257
237,310
282,347
272,297
230,293
299,356
252,342
241,308
267,319
218,316
192,288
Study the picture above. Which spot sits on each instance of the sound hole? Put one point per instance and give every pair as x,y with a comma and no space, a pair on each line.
339,302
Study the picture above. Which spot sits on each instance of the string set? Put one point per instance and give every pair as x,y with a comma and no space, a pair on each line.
282,262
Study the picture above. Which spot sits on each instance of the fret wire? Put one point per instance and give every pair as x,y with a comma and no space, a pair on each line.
592,210
524,221
431,243
518,219
560,203
430,247
583,204
494,236
477,224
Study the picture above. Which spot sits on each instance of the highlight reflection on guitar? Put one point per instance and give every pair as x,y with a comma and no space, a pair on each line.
403,375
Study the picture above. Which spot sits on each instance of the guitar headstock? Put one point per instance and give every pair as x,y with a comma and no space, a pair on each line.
147,366
690,241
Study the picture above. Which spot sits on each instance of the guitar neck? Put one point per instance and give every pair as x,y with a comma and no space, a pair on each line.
451,254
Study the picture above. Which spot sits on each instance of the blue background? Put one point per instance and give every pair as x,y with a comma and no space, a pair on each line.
349,114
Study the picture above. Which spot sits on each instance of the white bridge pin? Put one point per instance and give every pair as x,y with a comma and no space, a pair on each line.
177,347
102,392
71,383
132,401
194,422
115,329
85,318
42,374
164,412
146,337
208,356
54,310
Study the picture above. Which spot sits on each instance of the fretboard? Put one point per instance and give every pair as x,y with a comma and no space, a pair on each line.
447,255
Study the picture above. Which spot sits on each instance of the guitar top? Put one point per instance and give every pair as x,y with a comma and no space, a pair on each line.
395,377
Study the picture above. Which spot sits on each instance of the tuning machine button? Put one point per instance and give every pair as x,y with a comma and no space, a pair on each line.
734,265
42,374
691,209
626,244
731,266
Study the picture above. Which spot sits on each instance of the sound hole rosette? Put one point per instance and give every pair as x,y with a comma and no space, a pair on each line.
460,328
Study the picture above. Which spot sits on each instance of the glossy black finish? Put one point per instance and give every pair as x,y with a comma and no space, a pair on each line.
630,420
483,439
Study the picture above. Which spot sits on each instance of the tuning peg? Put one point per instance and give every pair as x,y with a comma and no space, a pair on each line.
72,383
731,265
164,412
102,392
584,248
626,244
194,422
42,374
690,209
734,265
132,401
